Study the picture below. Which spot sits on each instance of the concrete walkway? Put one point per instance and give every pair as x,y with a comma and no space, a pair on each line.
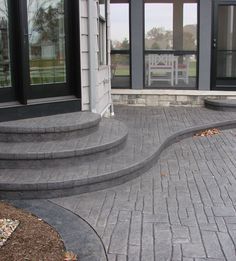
183,209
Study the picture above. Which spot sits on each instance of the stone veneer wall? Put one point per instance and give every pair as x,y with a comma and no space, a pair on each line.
177,98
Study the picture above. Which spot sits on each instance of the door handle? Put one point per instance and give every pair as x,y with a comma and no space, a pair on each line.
214,43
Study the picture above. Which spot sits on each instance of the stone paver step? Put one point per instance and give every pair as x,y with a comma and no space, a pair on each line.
109,134
57,177
49,127
221,104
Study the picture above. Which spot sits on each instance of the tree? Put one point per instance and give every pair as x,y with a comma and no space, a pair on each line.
46,23
125,44
156,33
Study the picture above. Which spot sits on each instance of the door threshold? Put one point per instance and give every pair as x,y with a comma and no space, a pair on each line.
52,99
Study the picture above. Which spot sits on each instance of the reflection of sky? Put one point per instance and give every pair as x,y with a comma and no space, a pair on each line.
161,15
119,21
157,15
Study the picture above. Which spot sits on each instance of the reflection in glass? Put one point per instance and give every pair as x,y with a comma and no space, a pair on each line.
190,27
170,44
119,26
170,71
226,42
120,70
46,41
5,73
158,26
120,44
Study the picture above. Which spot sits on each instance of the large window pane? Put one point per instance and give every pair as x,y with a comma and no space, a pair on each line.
190,27
46,41
5,73
170,44
226,42
158,26
120,44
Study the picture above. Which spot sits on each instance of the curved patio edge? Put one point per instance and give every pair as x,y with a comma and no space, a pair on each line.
76,233
69,188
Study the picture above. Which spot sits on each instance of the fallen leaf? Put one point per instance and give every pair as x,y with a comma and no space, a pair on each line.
70,256
164,174
207,133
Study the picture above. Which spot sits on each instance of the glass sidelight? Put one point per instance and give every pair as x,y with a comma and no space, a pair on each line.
224,46
5,70
120,43
46,36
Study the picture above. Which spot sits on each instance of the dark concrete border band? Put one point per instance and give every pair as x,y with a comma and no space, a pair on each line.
78,236
62,189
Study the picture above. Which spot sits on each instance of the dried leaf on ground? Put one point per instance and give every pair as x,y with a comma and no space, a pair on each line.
70,256
207,133
163,174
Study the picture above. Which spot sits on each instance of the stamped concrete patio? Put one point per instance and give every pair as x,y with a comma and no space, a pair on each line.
183,208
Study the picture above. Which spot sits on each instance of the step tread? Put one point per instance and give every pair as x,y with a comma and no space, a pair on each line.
110,133
52,124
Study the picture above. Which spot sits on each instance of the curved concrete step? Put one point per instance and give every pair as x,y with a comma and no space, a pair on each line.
54,127
221,104
89,173
110,133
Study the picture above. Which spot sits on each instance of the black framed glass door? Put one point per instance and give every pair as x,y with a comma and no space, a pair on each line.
224,46
47,48
39,49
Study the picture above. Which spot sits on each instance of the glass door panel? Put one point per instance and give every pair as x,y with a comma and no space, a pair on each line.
120,44
226,50
5,70
224,46
46,36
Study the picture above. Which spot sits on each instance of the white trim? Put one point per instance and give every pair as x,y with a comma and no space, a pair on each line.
173,92
92,59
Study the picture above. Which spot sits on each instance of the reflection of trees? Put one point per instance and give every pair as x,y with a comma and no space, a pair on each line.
159,38
45,21
124,45
3,8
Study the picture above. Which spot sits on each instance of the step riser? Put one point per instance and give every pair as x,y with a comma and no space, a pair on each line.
218,108
40,137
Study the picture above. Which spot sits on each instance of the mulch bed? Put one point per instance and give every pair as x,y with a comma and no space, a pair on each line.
33,239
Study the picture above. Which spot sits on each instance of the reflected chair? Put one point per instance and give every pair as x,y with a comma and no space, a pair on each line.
161,64
182,70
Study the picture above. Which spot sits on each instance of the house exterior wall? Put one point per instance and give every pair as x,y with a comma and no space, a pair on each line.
100,89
